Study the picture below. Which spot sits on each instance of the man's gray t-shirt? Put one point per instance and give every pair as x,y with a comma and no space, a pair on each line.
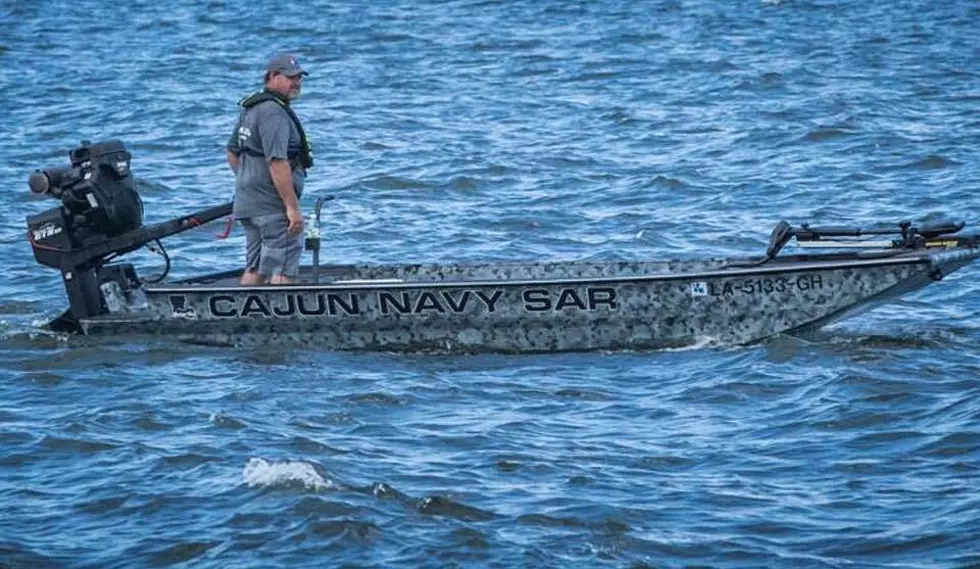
263,133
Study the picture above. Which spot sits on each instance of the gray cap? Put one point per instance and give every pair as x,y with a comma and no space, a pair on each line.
286,64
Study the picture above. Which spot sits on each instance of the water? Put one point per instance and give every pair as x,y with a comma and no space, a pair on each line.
474,130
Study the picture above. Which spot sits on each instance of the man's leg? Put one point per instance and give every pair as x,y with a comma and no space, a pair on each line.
281,250
251,278
281,279
253,250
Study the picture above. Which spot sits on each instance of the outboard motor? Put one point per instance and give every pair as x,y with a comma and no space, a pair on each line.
100,217
98,200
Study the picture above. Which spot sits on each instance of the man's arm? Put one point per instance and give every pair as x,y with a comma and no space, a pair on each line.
274,129
233,147
233,161
282,179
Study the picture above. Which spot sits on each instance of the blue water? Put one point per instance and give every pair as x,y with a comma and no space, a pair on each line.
481,129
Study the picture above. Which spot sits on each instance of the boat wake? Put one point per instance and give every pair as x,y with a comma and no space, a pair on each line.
912,337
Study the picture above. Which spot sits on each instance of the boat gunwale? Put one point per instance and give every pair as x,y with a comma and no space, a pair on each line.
731,271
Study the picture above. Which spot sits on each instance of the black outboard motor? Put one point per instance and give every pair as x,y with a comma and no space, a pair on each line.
98,200
99,219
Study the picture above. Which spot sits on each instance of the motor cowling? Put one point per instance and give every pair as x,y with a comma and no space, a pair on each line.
98,200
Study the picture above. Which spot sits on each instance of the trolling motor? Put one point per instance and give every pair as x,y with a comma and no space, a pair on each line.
943,235
100,217
907,236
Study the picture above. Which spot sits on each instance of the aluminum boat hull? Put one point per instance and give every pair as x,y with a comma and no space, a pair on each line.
531,307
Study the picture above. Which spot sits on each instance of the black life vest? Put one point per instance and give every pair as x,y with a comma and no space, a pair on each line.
305,155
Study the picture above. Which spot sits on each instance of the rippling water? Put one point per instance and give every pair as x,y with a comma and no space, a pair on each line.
465,130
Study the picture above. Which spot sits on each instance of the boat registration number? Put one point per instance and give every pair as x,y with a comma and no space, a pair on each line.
756,286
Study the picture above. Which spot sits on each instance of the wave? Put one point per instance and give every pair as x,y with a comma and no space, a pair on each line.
288,474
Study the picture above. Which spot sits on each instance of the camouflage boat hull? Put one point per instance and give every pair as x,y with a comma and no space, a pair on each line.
522,307
534,307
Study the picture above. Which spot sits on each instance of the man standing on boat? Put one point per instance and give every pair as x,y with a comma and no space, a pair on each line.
269,153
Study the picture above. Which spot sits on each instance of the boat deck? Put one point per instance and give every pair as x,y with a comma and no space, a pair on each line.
359,276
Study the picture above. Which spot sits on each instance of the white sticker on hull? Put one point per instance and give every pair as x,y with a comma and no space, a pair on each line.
699,288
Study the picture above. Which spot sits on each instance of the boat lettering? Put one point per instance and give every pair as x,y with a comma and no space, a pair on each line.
541,300
47,230
765,285
291,304
285,305
445,301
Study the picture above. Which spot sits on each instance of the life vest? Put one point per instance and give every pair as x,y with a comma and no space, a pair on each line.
305,155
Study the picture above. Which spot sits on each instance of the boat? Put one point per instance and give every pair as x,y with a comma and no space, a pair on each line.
545,306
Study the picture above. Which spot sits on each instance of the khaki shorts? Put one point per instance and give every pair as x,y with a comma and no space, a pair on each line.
269,248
